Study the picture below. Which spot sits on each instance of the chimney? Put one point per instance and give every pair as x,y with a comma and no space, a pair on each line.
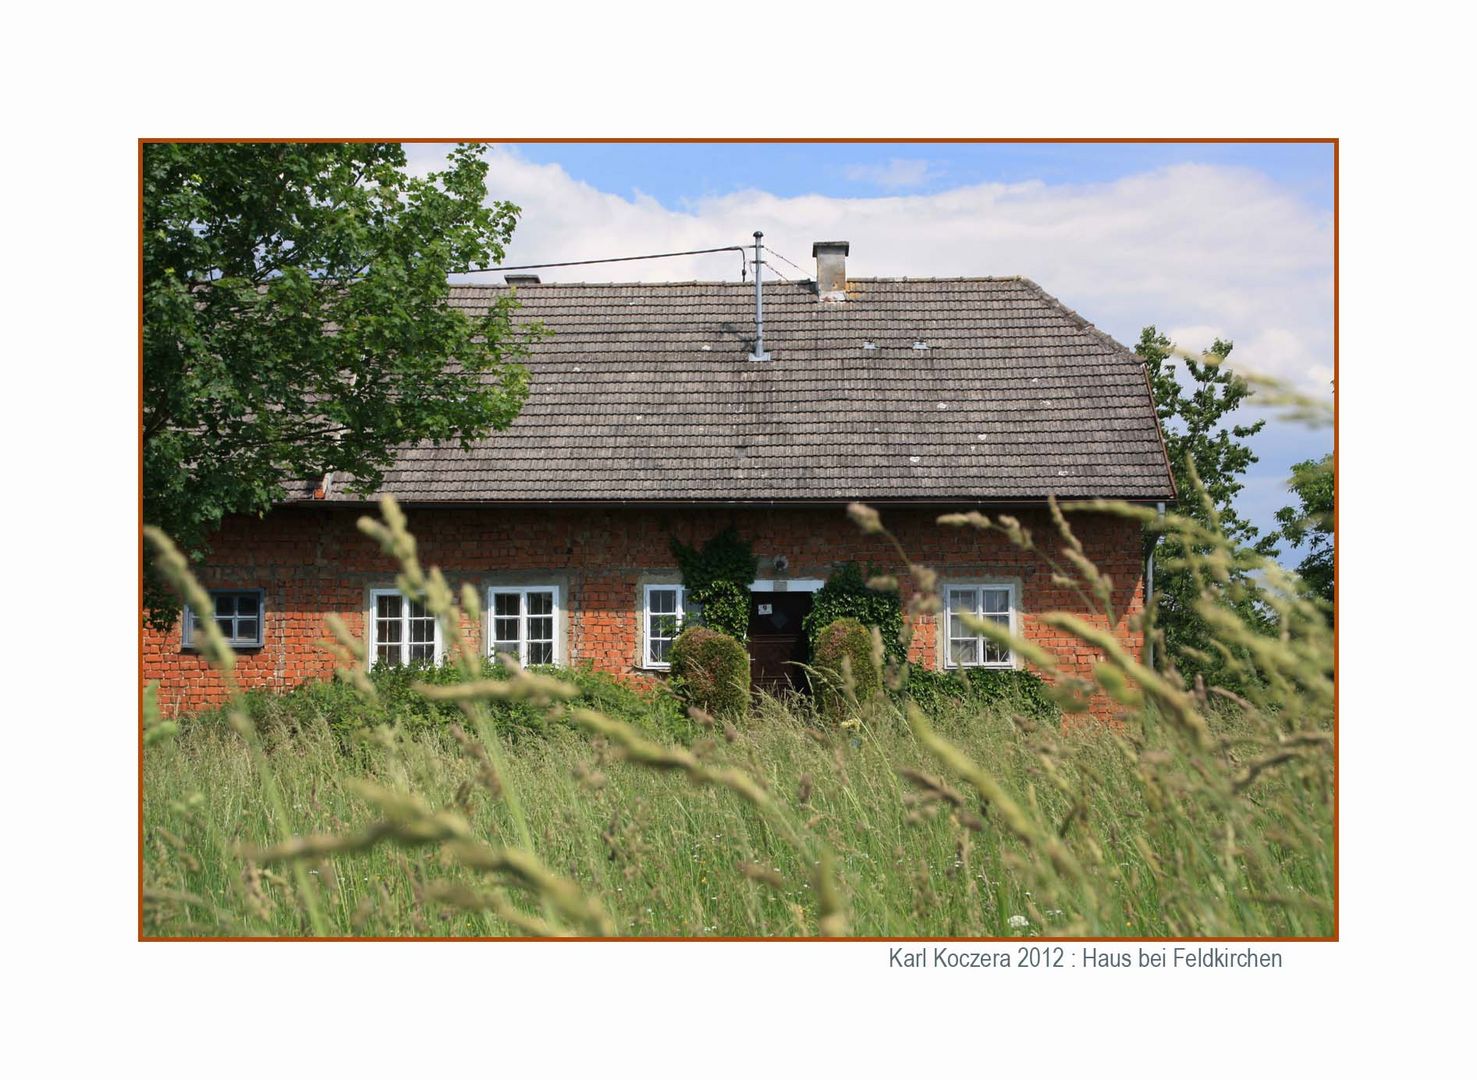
521,279
830,268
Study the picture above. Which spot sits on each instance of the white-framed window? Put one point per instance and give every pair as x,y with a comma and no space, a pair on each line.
662,612
401,631
238,612
524,622
964,647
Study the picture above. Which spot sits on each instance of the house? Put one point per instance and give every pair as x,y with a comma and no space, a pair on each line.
649,418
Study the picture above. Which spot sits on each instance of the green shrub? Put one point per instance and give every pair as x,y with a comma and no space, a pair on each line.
1019,691
845,596
844,643
397,702
711,671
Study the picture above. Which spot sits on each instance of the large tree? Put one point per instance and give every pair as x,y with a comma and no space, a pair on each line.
1203,442
295,322
1309,525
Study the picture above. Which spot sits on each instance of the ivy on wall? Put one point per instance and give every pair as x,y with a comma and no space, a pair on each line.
717,578
845,596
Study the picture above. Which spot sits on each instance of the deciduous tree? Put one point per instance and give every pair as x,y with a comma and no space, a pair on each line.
295,322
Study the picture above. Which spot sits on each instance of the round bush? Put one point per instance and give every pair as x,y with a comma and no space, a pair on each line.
711,671
841,644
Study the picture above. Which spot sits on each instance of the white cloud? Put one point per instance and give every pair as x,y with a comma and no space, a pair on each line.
1205,250
898,173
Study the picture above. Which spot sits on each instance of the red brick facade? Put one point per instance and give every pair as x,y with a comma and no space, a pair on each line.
313,561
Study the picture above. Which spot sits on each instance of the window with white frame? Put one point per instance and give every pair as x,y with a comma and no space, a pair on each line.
661,618
966,647
523,622
401,630
237,612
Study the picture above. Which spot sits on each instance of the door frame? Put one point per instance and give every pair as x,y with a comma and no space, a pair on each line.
805,584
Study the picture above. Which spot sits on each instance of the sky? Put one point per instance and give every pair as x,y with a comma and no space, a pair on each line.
1202,240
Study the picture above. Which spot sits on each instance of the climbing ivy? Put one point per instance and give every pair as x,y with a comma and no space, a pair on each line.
845,595
717,578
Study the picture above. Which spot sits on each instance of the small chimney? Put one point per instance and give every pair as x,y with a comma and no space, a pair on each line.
521,279
830,268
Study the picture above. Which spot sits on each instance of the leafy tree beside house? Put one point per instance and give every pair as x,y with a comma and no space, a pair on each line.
1204,443
1309,525
295,323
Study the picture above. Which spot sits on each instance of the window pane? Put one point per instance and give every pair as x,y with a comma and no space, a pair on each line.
663,600
422,631
505,604
541,628
425,651
659,650
540,603
387,631
418,610
246,604
997,600
957,629
227,626
663,626
994,654
962,600
964,652
225,603
387,607
541,652
246,629
389,654
505,632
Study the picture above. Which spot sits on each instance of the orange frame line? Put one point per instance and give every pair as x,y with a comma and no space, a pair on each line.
1153,140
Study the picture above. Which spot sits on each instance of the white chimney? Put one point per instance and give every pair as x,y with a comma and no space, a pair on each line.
830,268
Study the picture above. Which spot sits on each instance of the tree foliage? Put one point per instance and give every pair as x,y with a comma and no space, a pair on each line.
295,322
1309,525
1208,456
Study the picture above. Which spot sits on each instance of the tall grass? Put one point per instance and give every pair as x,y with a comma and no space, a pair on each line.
1204,812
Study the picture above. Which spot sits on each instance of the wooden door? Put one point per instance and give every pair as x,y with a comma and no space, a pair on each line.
777,640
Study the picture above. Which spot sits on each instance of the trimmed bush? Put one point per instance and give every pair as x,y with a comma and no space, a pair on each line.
711,671
841,644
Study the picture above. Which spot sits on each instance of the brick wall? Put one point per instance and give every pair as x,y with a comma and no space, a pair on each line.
313,561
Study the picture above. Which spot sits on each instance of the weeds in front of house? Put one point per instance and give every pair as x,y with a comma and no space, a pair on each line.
500,801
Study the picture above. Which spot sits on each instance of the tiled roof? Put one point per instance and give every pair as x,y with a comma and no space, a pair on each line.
974,389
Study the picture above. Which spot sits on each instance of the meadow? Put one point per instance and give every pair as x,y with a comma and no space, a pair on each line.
531,803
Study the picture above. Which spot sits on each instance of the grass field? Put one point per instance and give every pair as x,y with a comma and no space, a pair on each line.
552,808
663,855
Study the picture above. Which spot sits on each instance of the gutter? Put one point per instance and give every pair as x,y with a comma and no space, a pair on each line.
1149,595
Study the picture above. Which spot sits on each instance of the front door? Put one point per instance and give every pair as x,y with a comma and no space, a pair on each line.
777,642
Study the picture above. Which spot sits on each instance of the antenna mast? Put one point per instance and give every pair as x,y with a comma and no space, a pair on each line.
759,353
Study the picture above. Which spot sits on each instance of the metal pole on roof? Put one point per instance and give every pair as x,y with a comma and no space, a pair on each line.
759,353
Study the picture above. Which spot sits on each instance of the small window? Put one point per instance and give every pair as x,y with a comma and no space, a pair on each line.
661,623
966,648
401,631
523,621
238,613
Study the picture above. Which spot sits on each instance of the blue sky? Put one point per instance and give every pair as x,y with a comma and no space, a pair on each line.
676,175
1199,239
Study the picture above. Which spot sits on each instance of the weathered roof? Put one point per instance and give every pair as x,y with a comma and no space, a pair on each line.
961,389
